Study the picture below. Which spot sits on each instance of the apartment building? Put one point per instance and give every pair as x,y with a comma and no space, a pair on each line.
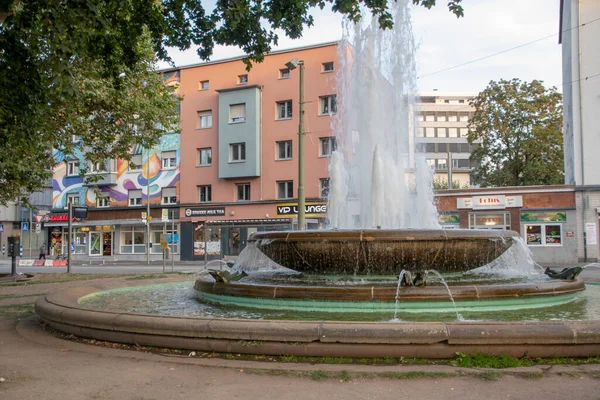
239,147
578,36
117,201
442,135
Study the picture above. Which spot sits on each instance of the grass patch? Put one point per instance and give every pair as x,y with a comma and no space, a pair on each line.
414,375
484,361
319,375
13,311
18,296
345,375
488,375
532,374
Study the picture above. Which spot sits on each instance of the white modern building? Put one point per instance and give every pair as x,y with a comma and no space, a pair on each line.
442,135
579,33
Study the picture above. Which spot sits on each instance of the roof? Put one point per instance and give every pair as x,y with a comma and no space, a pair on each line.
224,60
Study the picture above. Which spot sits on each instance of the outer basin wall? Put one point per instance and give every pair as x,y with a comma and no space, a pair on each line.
313,338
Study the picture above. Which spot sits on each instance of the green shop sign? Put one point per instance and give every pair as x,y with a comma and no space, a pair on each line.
450,218
544,216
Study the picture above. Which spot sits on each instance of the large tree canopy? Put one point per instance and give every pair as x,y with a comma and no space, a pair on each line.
86,68
518,126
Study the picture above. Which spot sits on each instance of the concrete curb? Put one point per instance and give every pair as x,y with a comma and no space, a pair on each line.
309,338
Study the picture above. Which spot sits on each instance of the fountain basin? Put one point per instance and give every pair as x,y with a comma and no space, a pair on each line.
368,299
63,311
383,251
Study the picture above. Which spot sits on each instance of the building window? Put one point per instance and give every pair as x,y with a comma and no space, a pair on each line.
133,239
285,190
103,200
429,132
442,163
328,66
169,159
452,117
169,195
73,198
284,150
237,113
328,104
429,117
441,132
460,164
328,145
205,156
242,79
420,132
464,117
237,152
441,117
284,73
135,197
544,235
284,109
452,132
420,117
464,132
204,194
324,187
243,192
72,168
136,162
204,119
204,85
95,167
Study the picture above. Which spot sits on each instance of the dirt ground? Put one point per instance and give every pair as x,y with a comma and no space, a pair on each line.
36,364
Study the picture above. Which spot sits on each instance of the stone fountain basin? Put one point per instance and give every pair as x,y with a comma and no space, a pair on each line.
383,251
62,311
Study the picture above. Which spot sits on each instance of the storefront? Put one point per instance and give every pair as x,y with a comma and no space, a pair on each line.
119,239
545,217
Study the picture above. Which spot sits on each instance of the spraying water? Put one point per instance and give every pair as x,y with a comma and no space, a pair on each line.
397,298
377,177
458,316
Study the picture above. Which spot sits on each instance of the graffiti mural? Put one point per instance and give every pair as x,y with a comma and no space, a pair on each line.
126,178
151,177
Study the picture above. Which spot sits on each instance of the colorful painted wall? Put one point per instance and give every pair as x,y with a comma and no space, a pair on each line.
126,179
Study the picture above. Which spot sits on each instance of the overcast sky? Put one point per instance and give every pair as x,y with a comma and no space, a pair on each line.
488,27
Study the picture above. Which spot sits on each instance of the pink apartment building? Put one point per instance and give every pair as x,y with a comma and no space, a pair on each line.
239,148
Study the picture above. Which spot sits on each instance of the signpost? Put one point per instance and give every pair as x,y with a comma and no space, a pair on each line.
164,245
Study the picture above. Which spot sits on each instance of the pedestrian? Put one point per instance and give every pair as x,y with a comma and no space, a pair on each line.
43,251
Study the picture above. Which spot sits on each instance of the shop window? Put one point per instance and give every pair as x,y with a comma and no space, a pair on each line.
133,239
543,235
155,235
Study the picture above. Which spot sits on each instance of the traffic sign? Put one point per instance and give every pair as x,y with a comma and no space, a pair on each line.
25,226
1,227
144,215
38,218
38,228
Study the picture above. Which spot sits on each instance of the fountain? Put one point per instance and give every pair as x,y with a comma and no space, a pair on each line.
361,288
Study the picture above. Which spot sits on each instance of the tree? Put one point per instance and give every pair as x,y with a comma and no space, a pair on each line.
87,68
518,126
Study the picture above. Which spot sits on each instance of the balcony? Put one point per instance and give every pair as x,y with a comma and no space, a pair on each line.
101,178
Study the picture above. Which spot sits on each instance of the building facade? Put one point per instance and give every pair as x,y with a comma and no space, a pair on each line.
579,32
442,135
118,226
239,148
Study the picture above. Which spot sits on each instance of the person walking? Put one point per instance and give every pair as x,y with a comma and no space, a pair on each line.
43,251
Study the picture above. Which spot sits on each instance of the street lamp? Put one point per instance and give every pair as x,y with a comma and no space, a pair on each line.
293,64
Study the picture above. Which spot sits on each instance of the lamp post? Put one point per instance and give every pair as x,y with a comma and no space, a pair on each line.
148,218
293,64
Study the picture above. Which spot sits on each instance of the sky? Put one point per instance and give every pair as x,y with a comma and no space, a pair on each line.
444,41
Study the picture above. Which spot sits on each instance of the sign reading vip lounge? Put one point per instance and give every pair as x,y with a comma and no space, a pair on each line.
205,212
292,209
493,202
